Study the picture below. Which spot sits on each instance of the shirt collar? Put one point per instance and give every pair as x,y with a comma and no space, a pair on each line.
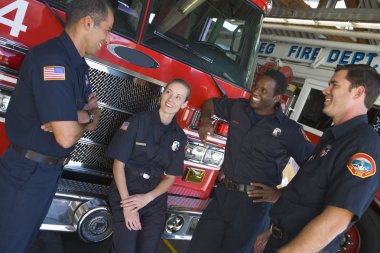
345,127
71,50
156,120
278,114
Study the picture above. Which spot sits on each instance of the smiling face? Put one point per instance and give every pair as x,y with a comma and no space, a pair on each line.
174,98
340,98
262,96
98,34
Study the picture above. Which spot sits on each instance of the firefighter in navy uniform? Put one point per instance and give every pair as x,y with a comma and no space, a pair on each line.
261,139
50,108
340,179
149,152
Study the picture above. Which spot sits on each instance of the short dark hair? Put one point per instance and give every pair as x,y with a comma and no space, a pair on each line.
280,80
366,76
184,83
96,9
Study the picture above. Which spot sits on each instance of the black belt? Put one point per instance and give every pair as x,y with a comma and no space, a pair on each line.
139,173
278,233
231,185
38,157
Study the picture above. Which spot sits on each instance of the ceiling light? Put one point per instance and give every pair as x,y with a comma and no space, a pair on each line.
293,21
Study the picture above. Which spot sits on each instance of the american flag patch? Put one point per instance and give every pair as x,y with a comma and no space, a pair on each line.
124,126
54,73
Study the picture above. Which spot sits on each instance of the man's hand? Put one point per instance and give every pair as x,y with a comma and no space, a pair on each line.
47,127
261,242
132,219
265,194
92,102
136,202
205,129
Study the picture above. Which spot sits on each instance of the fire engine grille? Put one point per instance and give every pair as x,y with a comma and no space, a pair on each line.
119,96
81,188
110,121
123,92
91,156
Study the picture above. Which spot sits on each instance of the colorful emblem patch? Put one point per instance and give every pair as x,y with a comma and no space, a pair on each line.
362,165
124,126
54,73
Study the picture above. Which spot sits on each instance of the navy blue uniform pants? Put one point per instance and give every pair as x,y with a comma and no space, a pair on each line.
27,189
230,223
152,218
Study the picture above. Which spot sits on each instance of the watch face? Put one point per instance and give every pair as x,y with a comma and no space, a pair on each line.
90,116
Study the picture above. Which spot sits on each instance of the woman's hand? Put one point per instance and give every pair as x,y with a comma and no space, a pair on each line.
136,202
132,219
261,242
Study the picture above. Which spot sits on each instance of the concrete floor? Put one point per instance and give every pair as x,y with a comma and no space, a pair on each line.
54,242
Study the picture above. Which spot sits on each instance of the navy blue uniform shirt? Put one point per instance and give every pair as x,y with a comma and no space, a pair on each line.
53,84
258,147
341,172
144,144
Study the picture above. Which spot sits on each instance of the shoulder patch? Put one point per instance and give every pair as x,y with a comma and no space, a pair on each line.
305,135
54,73
362,165
124,126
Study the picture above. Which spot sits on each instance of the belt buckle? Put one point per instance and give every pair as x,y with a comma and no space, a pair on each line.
145,176
277,232
231,185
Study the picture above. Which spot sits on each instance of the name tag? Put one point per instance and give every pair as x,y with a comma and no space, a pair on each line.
140,144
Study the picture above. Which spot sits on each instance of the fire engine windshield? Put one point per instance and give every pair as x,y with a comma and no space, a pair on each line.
218,37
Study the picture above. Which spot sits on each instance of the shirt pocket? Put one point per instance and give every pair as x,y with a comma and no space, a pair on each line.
311,185
142,151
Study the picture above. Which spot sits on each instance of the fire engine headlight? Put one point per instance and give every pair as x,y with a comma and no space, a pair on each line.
4,101
195,152
174,224
214,157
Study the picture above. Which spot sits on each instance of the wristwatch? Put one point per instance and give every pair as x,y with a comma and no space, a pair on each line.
90,116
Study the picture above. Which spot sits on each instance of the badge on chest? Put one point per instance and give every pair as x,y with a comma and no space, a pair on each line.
175,145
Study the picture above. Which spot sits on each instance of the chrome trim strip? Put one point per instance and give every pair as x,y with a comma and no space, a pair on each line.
180,210
6,87
13,45
199,165
78,167
89,142
116,70
59,228
209,138
73,196
103,105
7,79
